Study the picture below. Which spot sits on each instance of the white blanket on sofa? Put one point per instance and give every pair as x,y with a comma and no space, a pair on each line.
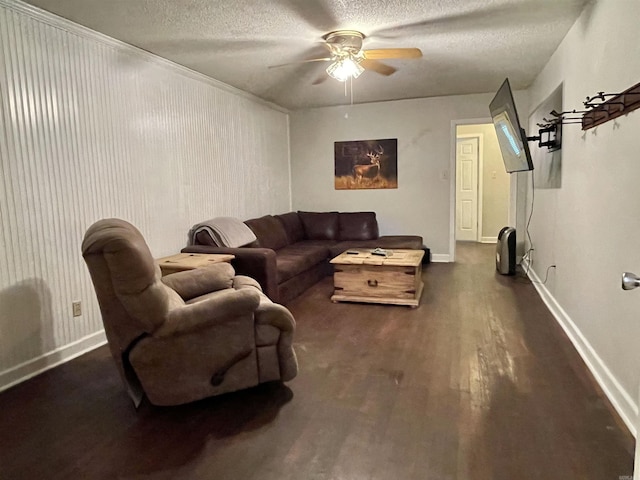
225,232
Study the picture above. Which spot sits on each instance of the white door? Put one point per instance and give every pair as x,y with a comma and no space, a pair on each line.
467,189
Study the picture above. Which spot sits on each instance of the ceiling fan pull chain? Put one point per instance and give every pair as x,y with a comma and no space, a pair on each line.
351,84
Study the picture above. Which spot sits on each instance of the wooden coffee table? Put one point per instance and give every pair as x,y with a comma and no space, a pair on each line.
363,277
190,261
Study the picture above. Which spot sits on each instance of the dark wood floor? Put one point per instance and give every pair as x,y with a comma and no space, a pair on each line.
477,383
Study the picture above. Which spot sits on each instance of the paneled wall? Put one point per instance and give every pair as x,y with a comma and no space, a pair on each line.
93,128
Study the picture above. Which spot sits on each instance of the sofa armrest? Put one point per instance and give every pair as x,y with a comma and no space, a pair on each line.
257,263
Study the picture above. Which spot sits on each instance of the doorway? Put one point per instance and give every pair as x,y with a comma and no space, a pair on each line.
481,186
468,210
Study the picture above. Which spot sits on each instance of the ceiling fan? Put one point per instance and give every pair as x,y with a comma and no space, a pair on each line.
349,60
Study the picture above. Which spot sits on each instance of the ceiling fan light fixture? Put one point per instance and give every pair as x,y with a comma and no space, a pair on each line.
344,68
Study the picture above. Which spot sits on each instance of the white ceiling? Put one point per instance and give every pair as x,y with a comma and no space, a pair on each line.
469,46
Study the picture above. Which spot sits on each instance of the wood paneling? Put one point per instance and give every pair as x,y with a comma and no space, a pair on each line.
93,128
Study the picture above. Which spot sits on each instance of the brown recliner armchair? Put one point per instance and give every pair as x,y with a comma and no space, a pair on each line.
189,335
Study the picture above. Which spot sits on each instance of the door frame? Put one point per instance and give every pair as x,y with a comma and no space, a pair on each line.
452,183
479,173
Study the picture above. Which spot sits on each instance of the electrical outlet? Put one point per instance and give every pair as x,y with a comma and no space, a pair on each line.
77,309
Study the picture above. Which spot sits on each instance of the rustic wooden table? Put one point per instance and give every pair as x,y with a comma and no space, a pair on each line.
361,276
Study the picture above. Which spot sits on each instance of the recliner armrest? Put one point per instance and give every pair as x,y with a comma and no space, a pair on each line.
194,283
258,263
275,315
267,313
224,307
243,281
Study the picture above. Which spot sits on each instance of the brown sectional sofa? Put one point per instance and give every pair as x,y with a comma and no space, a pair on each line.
292,250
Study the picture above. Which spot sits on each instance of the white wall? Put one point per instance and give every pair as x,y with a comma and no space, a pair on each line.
495,181
421,203
93,128
589,227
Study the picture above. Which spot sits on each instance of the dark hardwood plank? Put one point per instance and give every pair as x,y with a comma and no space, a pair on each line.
477,383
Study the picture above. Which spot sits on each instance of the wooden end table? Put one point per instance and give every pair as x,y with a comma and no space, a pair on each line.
363,277
190,261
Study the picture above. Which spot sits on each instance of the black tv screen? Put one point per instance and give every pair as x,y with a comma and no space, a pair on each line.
511,136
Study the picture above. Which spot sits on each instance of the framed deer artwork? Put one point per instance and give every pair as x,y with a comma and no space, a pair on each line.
364,164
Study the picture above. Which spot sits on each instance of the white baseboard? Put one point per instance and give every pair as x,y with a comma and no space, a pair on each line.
40,364
624,404
440,258
488,239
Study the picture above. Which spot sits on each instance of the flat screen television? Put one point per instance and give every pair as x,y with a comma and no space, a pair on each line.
511,136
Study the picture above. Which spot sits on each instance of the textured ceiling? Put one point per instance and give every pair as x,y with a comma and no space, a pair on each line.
469,46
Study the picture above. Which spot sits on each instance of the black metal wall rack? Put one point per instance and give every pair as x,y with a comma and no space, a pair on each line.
607,106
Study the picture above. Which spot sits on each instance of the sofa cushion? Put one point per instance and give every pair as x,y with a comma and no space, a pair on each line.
341,247
357,226
295,259
292,225
326,244
320,225
412,242
269,232
389,242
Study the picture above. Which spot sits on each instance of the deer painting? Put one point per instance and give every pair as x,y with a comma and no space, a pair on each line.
371,170
366,164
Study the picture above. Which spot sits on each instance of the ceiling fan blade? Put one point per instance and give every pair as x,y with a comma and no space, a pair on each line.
308,60
377,67
480,19
380,53
315,14
321,78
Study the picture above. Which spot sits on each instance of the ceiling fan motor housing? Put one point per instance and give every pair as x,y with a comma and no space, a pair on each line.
345,42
